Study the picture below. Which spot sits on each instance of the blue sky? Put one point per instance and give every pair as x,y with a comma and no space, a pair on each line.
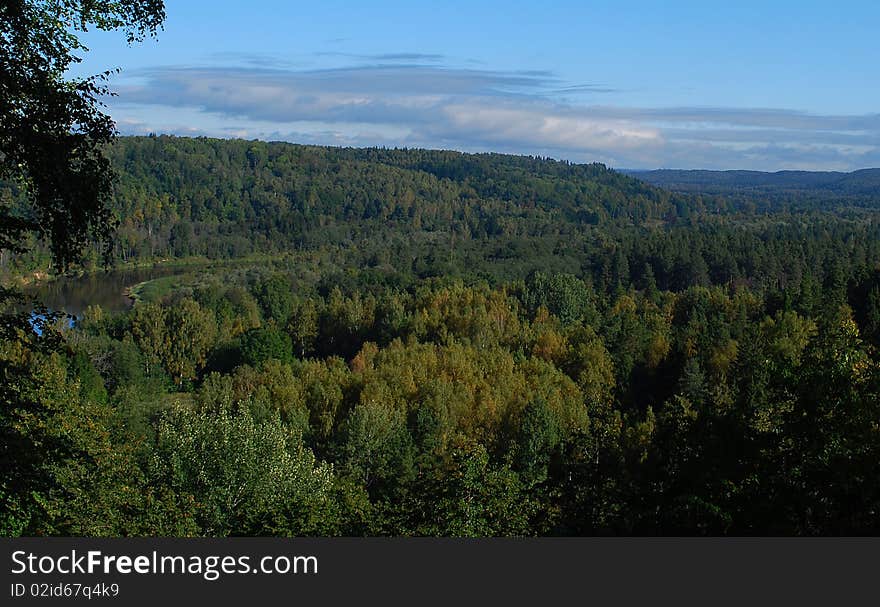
744,85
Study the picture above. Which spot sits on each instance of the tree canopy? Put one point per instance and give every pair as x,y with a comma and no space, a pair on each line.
53,132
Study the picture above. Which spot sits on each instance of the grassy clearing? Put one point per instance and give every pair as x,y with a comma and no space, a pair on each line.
157,288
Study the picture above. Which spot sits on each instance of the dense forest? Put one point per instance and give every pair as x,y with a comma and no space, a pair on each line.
775,191
416,342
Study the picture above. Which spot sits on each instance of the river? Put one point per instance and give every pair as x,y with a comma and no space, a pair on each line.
73,294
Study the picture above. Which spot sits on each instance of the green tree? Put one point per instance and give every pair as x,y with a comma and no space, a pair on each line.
150,334
303,327
377,449
538,438
191,330
61,472
52,140
52,129
265,343
240,472
473,497
563,295
276,298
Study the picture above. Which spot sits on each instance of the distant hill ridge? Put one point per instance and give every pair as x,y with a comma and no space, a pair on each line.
861,182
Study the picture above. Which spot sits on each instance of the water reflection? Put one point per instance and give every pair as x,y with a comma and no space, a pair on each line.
73,294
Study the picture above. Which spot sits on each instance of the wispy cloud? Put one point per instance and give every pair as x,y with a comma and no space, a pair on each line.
416,99
383,57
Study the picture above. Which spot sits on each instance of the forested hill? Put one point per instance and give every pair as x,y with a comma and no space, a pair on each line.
863,182
226,199
209,180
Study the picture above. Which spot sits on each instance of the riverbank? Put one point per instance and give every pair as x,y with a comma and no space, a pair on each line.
155,288
45,276
25,280
117,288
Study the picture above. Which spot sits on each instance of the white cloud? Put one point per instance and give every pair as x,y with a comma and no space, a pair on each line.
470,109
547,127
